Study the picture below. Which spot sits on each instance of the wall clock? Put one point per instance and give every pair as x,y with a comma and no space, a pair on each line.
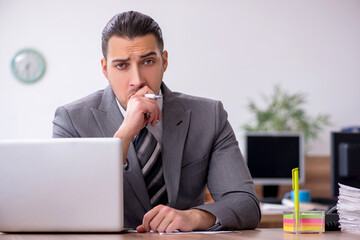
28,65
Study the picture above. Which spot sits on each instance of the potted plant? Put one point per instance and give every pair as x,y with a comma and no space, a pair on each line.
284,112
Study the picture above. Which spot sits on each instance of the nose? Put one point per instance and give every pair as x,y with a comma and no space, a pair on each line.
136,79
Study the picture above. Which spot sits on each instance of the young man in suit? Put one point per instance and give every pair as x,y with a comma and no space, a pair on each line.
192,142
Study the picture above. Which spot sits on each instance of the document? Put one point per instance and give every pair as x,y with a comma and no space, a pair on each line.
197,232
193,232
348,207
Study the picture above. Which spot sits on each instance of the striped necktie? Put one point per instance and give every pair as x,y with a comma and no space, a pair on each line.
149,155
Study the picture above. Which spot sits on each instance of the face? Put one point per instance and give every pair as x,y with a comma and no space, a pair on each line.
133,64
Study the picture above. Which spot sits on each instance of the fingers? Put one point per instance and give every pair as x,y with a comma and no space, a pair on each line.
162,223
140,229
174,225
149,217
140,111
165,219
149,107
169,224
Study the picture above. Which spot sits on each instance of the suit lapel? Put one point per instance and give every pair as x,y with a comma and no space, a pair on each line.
176,122
108,116
109,119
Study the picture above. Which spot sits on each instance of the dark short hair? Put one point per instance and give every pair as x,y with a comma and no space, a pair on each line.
131,24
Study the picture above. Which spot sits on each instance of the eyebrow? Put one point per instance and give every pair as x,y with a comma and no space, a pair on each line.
142,56
148,54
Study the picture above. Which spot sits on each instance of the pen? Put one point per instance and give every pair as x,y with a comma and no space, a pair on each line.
152,96
295,186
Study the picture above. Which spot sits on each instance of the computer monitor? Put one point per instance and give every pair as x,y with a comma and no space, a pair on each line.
345,160
271,156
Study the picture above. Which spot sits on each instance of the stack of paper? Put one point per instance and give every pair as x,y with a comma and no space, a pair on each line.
348,207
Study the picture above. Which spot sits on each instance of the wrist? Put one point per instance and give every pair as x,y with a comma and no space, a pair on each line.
202,219
123,134
125,140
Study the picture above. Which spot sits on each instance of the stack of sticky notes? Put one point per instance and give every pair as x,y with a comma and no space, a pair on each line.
312,221
309,222
289,223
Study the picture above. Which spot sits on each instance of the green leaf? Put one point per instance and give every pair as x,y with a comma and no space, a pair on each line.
285,112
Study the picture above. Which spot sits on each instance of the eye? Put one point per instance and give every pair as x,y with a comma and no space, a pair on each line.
148,62
121,65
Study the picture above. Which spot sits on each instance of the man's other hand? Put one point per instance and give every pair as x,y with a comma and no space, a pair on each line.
166,219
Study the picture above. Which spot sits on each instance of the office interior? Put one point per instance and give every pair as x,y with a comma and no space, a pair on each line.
231,51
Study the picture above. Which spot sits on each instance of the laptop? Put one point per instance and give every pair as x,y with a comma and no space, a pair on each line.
61,185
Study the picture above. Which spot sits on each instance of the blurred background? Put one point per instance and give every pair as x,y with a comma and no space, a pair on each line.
234,51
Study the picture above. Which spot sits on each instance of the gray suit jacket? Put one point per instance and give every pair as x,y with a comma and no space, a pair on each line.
198,149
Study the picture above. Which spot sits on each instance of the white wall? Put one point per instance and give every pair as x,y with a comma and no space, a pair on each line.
229,50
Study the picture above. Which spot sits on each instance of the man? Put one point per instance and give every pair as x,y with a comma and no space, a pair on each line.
192,142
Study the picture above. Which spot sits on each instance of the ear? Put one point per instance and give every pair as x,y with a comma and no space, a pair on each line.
165,60
104,66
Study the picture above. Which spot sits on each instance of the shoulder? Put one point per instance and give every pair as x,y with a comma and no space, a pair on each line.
197,104
93,100
190,99
83,107
77,118
186,100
